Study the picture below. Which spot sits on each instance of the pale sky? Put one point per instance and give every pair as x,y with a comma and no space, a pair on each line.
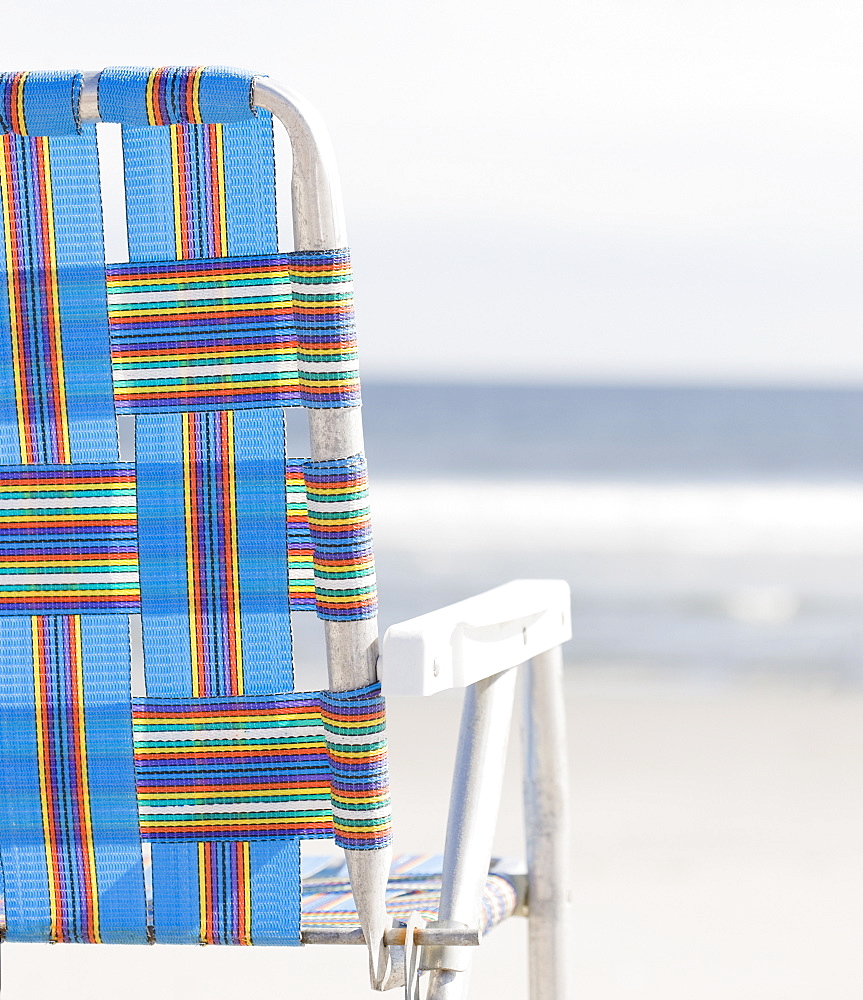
602,189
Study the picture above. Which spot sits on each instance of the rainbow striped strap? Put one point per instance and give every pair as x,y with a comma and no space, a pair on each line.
340,528
264,768
69,840
323,306
202,334
175,95
68,539
256,768
230,332
355,724
39,104
239,769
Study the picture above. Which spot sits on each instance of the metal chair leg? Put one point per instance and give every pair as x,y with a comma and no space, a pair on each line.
477,782
546,800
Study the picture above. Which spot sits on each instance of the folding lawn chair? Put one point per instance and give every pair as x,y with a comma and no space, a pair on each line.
159,770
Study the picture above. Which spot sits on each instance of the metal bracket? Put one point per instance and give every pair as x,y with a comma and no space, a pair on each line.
447,954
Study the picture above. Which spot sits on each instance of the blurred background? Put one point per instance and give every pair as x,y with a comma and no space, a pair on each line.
608,262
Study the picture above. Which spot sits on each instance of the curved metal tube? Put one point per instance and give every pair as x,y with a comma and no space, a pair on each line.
319,224
319,218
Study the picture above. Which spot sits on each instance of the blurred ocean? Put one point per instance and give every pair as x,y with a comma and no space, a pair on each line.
712,531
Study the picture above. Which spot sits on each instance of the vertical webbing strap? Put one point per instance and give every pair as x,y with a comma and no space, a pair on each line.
68,821
212,528
212,517
198,191
56,399
68,818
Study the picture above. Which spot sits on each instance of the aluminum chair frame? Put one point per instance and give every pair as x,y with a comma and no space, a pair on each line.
477,644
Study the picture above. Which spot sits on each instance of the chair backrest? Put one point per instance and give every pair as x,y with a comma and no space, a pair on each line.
175,814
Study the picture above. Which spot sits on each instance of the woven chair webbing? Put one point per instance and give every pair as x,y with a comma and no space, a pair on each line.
414,887
258,768
86,540
175,95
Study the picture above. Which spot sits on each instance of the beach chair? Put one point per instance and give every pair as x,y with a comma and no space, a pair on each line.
159,769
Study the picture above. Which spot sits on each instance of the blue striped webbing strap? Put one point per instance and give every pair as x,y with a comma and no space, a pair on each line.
197,191
212,534
39,104
175,95
56,402
213,561
69,835
69,841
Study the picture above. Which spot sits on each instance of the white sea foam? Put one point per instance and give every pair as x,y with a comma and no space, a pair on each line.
633,518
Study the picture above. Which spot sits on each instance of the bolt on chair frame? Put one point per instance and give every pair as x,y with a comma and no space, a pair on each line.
477,644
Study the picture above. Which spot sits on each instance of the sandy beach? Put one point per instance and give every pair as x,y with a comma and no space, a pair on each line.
716,853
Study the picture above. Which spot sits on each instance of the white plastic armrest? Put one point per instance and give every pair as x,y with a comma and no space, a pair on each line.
476,638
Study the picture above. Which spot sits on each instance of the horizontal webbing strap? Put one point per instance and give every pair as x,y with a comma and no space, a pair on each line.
232,768
68,539
354,722
202,334
175,95
233,333
323,304
263,767
69,536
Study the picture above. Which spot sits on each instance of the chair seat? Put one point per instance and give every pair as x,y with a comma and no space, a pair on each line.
414,886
